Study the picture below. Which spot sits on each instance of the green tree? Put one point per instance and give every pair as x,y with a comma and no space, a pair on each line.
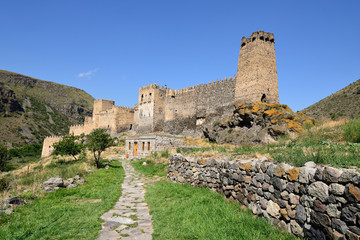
98,141
3,156
69,145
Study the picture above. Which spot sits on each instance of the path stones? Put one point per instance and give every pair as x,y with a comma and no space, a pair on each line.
130,219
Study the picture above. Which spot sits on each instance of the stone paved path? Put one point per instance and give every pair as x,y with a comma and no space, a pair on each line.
130,218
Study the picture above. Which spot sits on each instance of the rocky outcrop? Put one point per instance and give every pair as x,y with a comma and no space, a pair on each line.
311,201
258,123
8,101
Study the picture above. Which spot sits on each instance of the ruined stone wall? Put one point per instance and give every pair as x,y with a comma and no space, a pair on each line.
77,129
180,111
103,119
184,108
313,202
257,73
122,120
101,105
48,145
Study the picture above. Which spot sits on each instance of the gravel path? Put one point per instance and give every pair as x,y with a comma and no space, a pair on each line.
130,218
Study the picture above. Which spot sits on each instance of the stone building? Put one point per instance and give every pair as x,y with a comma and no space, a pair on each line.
142,146
186,111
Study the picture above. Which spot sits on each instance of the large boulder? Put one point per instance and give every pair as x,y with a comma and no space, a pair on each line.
257,123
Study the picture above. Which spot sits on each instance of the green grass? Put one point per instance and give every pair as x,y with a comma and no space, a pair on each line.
181,211
67,213
151,168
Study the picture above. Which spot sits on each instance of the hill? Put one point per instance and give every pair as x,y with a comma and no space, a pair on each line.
31,109
343,103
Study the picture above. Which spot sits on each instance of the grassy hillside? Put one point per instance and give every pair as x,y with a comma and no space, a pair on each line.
343,103
31,109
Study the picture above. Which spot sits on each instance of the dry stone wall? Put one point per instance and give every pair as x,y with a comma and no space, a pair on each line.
312,202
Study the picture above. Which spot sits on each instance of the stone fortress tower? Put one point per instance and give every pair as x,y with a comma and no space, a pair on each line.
256,78
186,111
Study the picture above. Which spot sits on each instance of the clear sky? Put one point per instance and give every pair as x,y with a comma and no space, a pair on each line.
110,48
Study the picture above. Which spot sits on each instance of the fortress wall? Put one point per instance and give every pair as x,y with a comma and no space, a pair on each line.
314,202
122,119
77,129
180,112
184,107
103,119
48,145
215,95
101,105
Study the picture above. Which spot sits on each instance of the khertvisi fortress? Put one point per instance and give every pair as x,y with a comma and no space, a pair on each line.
184,111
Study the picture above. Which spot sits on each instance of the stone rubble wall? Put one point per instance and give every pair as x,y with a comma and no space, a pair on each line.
312,202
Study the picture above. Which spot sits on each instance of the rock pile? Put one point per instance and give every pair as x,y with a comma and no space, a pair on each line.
310,201
54,183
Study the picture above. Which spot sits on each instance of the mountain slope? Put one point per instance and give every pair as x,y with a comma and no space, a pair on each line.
343,103
31,108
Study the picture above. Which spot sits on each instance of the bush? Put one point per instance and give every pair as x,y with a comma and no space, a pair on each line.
4,183
352,131
165,154
3,156
31,150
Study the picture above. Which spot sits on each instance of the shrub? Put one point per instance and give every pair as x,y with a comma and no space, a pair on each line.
352,131
165,154
4,183
3,156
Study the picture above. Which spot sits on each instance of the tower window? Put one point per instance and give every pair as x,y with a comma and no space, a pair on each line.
262,38
253,39
266,39
243,45
271,40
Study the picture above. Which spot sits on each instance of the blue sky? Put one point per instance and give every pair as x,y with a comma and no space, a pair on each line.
111,48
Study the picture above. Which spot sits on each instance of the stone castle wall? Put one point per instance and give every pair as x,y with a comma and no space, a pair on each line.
185,107
313,202
48,145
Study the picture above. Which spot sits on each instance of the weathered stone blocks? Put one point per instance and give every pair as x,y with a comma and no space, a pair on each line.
312,202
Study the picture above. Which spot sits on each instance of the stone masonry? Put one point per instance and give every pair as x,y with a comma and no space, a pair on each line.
184,111
142,146
311,201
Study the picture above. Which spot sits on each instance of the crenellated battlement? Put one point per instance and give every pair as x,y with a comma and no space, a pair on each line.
214,84
258,36
77,126
151,86
53,137
124,108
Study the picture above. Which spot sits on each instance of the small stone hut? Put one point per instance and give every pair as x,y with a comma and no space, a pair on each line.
142,146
